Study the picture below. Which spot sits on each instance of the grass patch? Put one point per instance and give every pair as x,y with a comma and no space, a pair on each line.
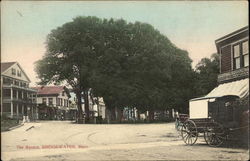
8,123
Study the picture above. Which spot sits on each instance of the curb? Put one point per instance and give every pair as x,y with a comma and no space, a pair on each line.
12,128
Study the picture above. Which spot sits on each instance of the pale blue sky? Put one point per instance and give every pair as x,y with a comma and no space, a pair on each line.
190,25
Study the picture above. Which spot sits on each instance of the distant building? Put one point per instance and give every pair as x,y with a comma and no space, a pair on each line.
99,107
17,99
73,105
96,105
53,102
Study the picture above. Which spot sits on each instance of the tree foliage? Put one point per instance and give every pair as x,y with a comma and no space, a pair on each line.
128,64
207,71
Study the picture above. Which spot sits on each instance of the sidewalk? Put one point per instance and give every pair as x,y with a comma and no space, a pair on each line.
12,128
25,126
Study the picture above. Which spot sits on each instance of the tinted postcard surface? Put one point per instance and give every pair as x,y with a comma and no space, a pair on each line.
124,80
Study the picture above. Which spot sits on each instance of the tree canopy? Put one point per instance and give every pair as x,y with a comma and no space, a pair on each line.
128,64
207,71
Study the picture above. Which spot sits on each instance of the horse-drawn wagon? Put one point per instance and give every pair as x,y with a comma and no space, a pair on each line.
217,116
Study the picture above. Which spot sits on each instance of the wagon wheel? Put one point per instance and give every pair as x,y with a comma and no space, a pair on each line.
214,134
189,132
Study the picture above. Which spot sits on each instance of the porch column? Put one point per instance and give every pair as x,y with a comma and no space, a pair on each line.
11,102
17,106
23,109
17,94
32,114
37,115
32,105
17,109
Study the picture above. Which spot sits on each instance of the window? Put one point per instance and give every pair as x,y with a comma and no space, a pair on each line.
245,53
7,81
14,93
6,107
13,71
6,93
240,55
25,95
44,101
19,74
20,95
22,84
236,56
62,93
17,83
50,101
57,101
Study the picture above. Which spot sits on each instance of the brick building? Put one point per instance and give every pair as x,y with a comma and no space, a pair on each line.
234,56
229,101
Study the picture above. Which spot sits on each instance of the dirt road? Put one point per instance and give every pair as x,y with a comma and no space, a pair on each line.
62,140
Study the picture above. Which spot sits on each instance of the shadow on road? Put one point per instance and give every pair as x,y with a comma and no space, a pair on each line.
226,144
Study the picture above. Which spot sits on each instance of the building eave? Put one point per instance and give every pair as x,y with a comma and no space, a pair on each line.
231,34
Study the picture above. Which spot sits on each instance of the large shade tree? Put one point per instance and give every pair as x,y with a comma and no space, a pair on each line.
128,64
70,56
141,68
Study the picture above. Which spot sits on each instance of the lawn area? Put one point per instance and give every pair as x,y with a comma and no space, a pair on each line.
8,123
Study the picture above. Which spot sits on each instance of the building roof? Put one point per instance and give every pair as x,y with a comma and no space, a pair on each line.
49,90
232,34
6,65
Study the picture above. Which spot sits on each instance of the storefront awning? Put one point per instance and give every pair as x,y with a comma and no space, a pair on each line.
238,88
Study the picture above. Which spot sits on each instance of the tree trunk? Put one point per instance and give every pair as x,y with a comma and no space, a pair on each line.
113,114
79,106
107,113
86,105
134,113
138,115
118,114
98,108
151,115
